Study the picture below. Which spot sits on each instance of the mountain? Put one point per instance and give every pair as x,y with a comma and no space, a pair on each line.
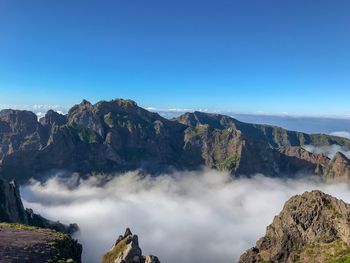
126,250
312,227
118,135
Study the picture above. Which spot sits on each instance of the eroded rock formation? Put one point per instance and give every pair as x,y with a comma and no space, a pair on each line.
126,250
312,227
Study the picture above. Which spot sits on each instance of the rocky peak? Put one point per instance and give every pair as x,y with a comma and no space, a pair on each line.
312,227
85,102
52,118
340,157
126,250
216,121
84,115
339,168
84,105
19,121
125,102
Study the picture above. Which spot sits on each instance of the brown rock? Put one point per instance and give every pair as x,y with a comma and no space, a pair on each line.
339,168
312,227
127,250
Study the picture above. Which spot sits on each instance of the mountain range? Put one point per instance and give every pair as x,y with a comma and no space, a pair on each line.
118,135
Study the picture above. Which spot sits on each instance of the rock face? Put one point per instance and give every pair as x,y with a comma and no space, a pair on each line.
28,237
126,250
339,168
39,221
312,227
336,169
118,135
21,243
11,207
12,210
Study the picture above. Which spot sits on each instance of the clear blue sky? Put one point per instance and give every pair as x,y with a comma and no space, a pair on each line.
244,56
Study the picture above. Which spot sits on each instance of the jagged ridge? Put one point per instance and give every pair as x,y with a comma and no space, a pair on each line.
118,135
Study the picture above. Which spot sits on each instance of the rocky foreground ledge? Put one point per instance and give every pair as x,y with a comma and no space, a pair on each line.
312,227
26,244
26,237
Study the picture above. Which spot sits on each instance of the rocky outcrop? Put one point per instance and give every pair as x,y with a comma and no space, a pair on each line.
52,119
338,169
12,210
126,250
39,221
312,227
11,207
118,135
26,244
28,237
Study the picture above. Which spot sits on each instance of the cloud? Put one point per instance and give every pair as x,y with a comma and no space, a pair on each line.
38,109
329,151
189,217
341,134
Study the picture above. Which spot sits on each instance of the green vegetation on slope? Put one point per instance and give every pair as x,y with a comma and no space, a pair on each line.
85,134
115,252
228,163
334,252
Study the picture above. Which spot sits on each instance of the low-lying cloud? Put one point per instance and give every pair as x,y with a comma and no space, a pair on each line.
189,217
344,134
329,151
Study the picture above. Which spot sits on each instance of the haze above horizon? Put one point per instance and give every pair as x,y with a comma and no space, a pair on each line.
239,56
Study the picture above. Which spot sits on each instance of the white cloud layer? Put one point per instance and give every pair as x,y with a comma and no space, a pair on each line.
189,217
39,109
329,151
341,134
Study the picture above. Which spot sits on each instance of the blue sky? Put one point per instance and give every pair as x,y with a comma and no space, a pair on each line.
243,56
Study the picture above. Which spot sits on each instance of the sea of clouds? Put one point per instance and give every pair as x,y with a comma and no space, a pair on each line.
188,217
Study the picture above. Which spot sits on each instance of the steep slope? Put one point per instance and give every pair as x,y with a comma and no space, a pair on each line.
312,227
228,144
118,135
272,135
126,250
